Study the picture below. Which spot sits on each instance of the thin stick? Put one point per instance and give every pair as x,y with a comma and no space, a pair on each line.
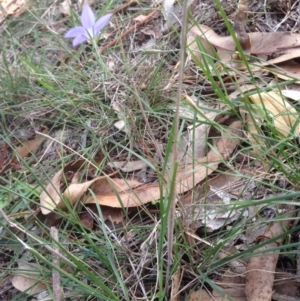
124,6
171,216
56,284
128,31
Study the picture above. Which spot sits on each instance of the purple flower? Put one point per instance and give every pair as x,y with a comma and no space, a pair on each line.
90,27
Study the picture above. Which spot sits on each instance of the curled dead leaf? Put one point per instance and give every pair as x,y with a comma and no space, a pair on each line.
52,195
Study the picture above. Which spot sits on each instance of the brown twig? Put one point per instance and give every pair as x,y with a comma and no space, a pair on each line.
128,31
3,155
124,6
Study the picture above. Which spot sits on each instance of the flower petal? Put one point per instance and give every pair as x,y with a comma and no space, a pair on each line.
78,40
101,23
87,17
74,32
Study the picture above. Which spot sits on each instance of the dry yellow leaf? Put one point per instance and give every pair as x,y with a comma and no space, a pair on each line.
271,105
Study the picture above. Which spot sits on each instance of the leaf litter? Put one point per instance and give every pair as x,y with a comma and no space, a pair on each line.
28,279
208,155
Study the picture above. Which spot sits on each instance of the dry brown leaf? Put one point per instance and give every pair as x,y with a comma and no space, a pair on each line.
115,215
24,150
186,179
87,220
51,196
101,186
115,192
74,166
28,279
199,135
242,89
233,281
261,269
31,145
261,42
76,178
218,297
287,71
120,193
284,56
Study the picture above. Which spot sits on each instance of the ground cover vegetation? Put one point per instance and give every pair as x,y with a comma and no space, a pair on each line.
149,150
